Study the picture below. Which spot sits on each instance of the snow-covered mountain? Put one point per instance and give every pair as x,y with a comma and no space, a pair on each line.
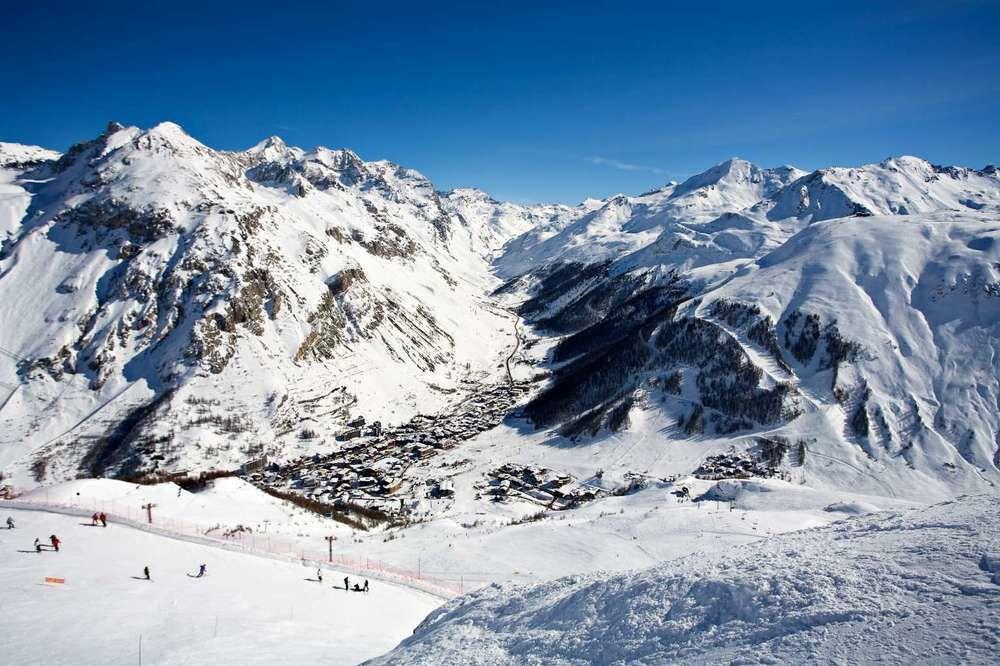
169,304
563,389
606,229
855,309
493,222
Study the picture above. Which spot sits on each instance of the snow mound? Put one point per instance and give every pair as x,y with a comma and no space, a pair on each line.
853,508
728,490
848,592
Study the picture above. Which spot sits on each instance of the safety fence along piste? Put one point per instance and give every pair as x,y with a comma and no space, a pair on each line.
255,543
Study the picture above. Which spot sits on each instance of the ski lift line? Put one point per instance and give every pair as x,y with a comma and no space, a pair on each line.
91,414
856,469
12,355
10,395
9,352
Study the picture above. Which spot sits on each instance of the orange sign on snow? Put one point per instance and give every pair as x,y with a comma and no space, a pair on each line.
51,580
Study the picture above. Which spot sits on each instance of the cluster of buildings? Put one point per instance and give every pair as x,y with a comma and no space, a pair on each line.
733,465
371,468
553,490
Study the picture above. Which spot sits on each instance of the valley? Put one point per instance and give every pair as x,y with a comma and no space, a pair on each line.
492,394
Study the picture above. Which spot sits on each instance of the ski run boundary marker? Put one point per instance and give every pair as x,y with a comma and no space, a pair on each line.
261,546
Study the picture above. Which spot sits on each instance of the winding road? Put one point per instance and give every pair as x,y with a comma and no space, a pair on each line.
517,345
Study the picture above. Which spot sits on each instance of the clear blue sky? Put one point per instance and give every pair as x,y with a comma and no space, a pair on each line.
533,102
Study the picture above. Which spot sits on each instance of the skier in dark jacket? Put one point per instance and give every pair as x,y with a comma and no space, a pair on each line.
38,545
346,584
10,522
145,572
319,575
201,571
103,517
366,585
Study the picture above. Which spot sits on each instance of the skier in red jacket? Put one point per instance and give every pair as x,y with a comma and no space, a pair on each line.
55,542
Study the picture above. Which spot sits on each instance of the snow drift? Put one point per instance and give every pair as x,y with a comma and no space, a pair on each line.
900,587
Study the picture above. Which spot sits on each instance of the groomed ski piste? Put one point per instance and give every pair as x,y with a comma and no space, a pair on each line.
97,607
854,581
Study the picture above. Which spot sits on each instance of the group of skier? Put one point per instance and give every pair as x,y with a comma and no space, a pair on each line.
202,570
53,540
102,518
99,517
347,583
357,588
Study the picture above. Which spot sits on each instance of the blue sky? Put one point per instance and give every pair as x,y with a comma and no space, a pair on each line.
529,101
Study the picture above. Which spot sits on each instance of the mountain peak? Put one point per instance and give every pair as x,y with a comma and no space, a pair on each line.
167,135
168,129
733,171
273,149
272,141
337,158
906,162
469,194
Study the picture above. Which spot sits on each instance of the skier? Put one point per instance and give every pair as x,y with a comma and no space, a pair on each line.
10,522
145,572
357,588
103,517
201,571
347,587
366,585
319,574
55,542
93,519
38,545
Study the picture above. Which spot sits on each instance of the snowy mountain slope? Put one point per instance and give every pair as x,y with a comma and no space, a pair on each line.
171,307
14,199
907,587
869,336
620,225
245,610
915,302
898,186
739,210
151,275
493,222
16,156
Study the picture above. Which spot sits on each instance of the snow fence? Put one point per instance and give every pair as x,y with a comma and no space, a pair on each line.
262,545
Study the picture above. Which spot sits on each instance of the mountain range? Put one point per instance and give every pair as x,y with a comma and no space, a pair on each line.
171,307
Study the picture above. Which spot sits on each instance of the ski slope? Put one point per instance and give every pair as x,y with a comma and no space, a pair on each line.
246,610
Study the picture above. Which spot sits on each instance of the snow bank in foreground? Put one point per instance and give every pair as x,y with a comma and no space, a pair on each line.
897,586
